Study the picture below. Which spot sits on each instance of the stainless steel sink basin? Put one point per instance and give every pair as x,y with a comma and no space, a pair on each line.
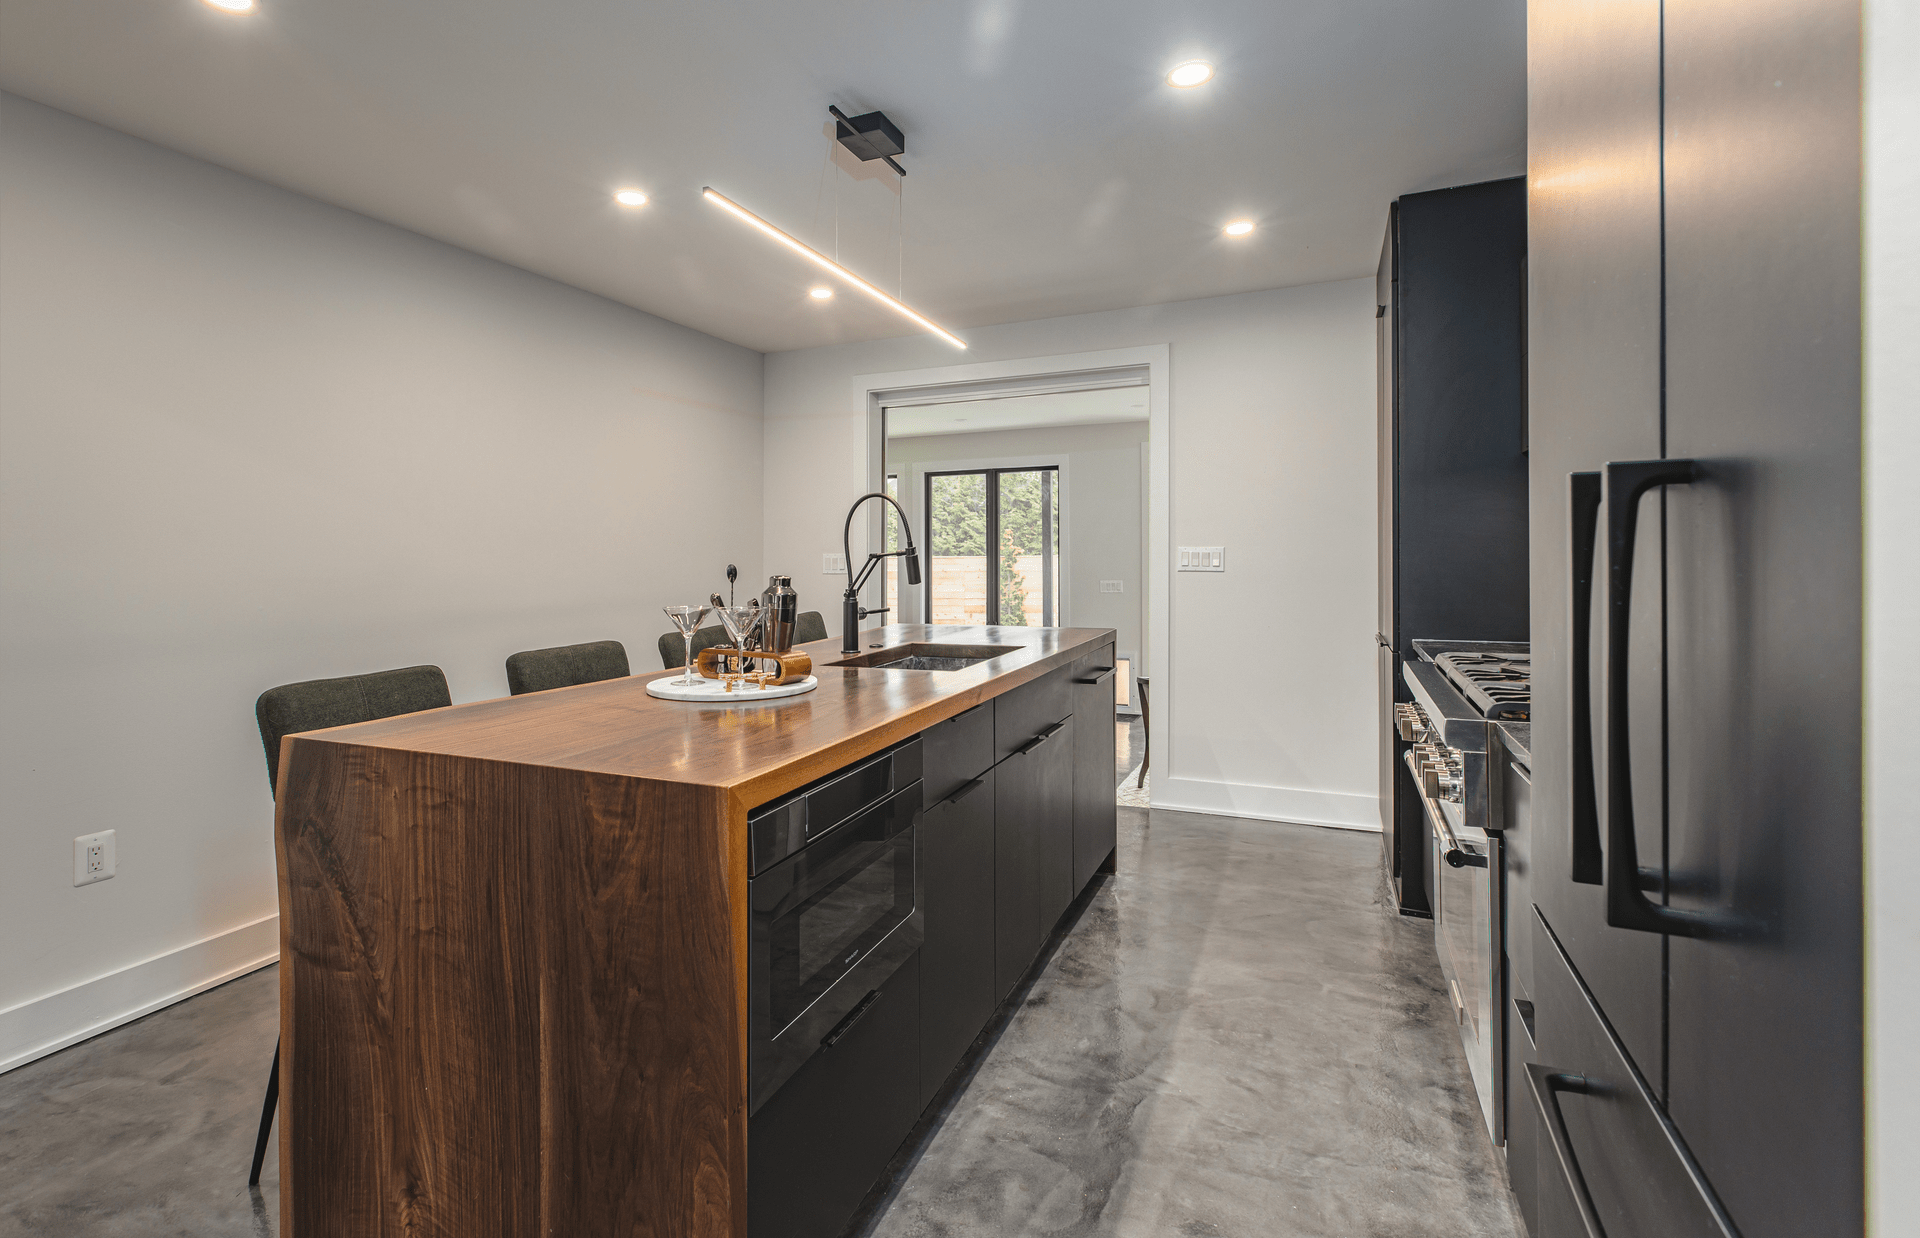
924,657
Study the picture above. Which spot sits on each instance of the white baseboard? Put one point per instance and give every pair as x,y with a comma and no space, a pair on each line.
1334,809
33,1029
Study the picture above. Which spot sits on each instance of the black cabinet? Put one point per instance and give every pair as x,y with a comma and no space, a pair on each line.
956,751
1452,472
1022,714
816,1147
1094,777
1016,870
957,993
1053,772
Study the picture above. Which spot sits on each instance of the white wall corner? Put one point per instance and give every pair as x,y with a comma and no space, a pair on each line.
33,1029
1332,809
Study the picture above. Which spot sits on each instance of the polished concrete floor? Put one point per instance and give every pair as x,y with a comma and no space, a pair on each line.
1236,1037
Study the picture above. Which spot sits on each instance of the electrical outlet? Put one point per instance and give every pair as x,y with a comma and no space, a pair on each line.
1113,586
833,565
1203,559
92,858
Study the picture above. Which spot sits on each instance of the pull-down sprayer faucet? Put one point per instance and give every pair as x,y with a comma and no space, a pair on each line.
851,612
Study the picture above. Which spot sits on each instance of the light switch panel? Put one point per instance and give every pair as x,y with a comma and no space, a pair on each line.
833,565
1113,586
1203,559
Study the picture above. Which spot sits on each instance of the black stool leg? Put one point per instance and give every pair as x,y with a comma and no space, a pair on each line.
266,1118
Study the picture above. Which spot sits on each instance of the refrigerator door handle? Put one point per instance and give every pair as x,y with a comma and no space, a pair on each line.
1546,1084
1584,524
1627,905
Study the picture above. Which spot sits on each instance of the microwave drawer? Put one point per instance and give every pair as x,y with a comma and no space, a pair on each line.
1609,1162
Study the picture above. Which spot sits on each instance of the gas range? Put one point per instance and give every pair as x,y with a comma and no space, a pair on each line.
1464,693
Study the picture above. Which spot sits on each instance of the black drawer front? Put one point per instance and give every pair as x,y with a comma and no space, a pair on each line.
1604,1145
1023,713
956,751
816,1147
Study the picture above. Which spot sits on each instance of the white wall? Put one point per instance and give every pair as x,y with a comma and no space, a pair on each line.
1272,447
1892,270
247,438
1101,511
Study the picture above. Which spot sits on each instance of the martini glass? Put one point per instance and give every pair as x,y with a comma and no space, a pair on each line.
688,619
740,621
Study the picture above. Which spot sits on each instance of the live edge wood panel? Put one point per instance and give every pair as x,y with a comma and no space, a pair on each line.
514,945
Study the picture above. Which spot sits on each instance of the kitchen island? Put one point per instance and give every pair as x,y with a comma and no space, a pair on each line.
516,934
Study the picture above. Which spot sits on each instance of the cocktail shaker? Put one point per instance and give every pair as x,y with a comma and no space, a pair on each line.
780,606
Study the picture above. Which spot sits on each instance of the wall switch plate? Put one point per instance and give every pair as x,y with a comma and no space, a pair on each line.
1203,558
833,565
1113,586
92,858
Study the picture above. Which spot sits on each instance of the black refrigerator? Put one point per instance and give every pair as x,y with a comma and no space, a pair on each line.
1450,342
1694,343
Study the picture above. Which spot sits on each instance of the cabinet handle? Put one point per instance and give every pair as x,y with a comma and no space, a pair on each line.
1546,1084
965,790
1627,906
1104,673
1584,522
853,1016
1041,738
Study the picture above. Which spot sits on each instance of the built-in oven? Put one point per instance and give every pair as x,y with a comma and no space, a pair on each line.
833,889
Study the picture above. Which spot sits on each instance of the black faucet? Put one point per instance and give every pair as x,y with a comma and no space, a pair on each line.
851,612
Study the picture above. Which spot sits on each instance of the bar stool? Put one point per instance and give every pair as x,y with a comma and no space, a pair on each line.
563,666
313,705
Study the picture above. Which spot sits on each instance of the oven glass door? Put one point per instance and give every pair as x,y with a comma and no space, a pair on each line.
818,915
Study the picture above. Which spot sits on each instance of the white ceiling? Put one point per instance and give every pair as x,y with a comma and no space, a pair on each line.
1020,412
1051,171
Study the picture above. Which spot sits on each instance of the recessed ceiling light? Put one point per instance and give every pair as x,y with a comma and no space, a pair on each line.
820,294
234,6
1192,73
630,197
1239,227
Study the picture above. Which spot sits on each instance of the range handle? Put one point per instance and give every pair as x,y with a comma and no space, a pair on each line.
1546,1083
1627,904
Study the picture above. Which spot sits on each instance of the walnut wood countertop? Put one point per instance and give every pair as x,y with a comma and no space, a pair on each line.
755,751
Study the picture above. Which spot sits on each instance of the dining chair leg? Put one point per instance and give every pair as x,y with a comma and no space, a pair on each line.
266,1117
1146,733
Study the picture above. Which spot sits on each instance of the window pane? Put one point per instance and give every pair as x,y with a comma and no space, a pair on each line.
957,547
1026,546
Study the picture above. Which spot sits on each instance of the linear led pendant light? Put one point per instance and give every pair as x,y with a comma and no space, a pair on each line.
899,307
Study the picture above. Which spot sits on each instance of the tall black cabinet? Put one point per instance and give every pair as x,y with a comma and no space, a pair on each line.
1695,458
1452,457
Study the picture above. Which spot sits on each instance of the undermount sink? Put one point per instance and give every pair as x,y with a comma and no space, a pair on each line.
923,657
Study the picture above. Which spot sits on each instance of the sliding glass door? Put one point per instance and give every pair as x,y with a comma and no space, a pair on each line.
993,547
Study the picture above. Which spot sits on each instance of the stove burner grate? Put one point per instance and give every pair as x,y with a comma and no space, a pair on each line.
1500,686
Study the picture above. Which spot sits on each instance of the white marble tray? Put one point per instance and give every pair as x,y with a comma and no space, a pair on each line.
714,691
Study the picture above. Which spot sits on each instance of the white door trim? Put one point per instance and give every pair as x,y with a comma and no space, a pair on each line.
873,391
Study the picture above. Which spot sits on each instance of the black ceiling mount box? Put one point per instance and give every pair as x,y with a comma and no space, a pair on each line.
870,136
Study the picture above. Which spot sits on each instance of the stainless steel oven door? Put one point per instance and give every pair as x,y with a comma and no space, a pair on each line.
829,925
1466,935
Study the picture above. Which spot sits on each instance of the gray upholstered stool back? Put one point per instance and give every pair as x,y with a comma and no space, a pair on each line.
537,670
673,649
810,625
317,703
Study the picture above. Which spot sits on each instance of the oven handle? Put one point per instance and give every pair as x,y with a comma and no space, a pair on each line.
853,1016
1546,1084
1584,522
1451,851
1627,906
